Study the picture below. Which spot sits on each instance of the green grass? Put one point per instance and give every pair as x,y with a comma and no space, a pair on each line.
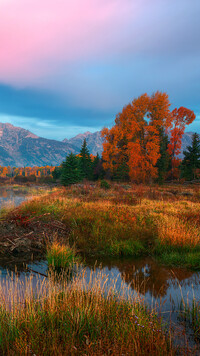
125,248
61,256
190,260
191,316
178,256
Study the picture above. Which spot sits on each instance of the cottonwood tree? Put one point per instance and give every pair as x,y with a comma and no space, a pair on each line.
180,118
136,138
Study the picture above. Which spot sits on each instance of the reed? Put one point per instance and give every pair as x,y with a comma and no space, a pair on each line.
190,314
61,256
62,318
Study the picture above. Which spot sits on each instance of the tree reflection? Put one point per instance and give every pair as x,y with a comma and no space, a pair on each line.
147,276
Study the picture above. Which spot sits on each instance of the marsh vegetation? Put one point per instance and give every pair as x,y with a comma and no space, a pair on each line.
122,223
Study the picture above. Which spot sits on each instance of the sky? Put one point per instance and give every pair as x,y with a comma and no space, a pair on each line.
69,66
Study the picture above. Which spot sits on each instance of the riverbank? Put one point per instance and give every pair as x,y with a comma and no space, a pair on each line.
13,238
125,220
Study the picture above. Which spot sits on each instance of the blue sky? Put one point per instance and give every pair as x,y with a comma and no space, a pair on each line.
70,66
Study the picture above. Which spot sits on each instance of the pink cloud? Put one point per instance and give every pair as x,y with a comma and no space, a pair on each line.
42,40
37,35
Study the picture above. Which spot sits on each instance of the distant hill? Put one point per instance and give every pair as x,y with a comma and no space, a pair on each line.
94,141
20,147
186,141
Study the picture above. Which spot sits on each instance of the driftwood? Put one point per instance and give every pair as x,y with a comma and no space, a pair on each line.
33,271
24,234
14,244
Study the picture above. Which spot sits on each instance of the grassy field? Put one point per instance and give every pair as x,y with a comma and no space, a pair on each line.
163,222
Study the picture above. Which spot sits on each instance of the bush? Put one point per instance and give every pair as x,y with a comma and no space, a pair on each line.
105,184
47,179
21,179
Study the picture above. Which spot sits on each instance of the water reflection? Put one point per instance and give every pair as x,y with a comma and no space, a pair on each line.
15,195
153,278
161,288
144,276
12,196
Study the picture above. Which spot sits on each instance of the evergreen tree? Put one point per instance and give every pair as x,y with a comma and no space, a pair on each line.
191,160
164,162
85,162
70,170
97,167
57,173
121,173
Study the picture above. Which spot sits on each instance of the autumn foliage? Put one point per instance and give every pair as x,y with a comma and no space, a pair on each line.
36,172
181,118
135,139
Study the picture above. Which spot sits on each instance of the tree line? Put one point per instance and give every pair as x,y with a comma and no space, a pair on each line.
27,174
76,168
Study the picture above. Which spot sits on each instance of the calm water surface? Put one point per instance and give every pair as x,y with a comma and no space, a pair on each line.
12,197
15,195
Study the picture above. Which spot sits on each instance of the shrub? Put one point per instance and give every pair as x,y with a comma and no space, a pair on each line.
105,184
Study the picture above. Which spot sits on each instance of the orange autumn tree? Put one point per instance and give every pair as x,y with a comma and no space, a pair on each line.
135,139
181,118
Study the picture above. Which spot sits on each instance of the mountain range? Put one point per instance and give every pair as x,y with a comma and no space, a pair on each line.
20,147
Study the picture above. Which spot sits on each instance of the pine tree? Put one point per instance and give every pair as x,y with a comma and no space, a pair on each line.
164,162
191,160
57,173
85,162
121,173
97,168
70,170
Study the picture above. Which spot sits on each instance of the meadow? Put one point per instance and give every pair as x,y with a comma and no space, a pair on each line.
163,222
